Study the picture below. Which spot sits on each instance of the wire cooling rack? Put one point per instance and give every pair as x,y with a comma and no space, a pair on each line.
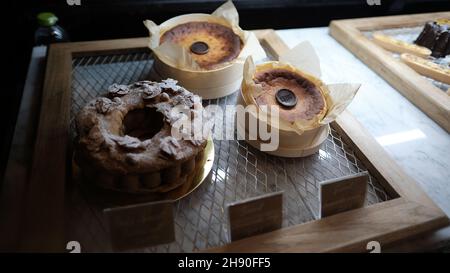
239,170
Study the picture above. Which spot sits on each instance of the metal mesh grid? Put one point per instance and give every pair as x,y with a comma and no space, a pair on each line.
410,34
92,76
239,170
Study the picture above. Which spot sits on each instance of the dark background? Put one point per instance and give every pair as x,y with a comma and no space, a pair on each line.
108,19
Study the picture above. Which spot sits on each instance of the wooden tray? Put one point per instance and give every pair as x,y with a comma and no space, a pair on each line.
46,222
415,87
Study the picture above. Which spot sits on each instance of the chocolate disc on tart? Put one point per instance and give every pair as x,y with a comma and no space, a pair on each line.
210,44
296,96
124,139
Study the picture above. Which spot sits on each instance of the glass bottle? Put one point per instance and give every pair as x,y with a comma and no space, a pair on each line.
48,31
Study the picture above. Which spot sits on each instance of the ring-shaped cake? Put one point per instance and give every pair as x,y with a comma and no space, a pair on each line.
124,139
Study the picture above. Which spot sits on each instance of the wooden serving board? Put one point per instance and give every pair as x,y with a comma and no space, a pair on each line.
42,200
415,87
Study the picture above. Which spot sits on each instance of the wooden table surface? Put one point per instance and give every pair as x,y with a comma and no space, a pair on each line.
416,142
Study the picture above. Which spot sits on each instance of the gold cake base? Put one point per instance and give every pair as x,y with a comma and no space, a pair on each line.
114,196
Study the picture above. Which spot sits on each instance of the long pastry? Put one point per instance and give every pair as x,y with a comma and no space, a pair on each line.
399,46
427,67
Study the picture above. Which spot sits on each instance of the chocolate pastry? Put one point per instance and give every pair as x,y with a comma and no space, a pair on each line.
436,37
210,44
124,139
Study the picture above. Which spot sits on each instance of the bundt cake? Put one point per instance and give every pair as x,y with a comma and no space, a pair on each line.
124,138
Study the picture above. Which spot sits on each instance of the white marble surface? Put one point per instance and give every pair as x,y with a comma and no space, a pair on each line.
415,141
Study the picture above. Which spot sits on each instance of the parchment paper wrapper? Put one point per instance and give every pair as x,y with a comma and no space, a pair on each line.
302,59
301,137
177,56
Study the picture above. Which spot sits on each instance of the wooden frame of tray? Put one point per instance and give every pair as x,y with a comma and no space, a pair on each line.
415,87
38,201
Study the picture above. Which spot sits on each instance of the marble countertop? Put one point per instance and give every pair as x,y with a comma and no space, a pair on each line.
418,144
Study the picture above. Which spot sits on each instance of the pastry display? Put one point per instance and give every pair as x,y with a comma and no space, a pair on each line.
425,56
124,139
427,67
399,46
436,37
210,44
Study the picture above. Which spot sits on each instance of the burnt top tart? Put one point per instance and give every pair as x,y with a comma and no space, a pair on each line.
210,44
124,139
296,96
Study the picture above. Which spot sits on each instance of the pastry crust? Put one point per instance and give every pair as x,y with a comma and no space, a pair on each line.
311,102
399,46
427,68
124,139
224,45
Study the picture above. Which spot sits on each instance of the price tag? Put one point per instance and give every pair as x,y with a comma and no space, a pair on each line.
255,215
141,225
343,194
